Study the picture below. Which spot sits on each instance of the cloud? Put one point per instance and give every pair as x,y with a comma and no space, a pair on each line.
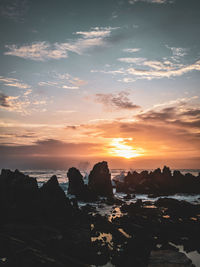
63,80
48,83
14,82
176,102
47,153
70,87
116,101
174,116
42,51
10,103
151,69
131,50
178,51
23,104
166,73
28,92
39,51
132,2
96,32
136,60
81,45
4,100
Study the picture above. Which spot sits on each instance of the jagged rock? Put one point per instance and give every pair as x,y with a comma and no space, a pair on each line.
100,180
169,258
166,171
54,202
76,184
159,182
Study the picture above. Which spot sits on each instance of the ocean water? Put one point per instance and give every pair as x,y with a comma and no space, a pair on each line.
43,176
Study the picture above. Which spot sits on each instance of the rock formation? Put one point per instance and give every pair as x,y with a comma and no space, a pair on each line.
100,180
76,183
159,182
53,201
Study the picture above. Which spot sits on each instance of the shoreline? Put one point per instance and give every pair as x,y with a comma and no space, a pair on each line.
43,227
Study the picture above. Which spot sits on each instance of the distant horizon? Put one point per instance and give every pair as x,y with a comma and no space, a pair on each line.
56,164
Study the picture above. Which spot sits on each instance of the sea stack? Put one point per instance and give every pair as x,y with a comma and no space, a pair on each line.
100,180
76,184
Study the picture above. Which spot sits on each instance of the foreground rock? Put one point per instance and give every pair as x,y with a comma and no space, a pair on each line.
18,195
39,226
54,204
77,186
100,180
168,258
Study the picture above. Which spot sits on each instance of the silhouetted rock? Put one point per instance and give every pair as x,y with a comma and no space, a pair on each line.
166,171
18,193
159,182
100,180
54,203
76,184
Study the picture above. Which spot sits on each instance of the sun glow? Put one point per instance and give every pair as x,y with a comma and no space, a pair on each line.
119,147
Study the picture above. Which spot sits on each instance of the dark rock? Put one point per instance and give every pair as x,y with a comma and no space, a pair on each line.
100,180
54,203
76,184
18,193
168,258
127,197
159,183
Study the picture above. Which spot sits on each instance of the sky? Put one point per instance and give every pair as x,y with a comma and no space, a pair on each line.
85,81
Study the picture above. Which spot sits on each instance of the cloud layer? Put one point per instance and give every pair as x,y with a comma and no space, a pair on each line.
116,101
42,51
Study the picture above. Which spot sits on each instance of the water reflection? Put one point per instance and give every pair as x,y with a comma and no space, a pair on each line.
105,238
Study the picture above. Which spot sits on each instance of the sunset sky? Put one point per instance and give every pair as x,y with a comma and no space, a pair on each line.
89,80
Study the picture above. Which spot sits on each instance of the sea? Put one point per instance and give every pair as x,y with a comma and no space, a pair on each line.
43,176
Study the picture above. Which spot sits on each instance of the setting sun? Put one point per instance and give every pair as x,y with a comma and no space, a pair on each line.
119,147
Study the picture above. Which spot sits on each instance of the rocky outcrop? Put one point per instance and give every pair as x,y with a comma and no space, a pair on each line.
18,193
100,180
39,226
53,201
159,182
76,183
77,186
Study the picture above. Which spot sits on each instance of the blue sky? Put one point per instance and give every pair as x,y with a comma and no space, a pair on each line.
71,69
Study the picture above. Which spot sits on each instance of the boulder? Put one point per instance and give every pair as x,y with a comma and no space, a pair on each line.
100,180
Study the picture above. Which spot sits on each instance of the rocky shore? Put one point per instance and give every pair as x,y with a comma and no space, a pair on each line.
159,182
41,226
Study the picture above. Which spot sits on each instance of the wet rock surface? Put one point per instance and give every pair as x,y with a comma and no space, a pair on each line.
168,258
